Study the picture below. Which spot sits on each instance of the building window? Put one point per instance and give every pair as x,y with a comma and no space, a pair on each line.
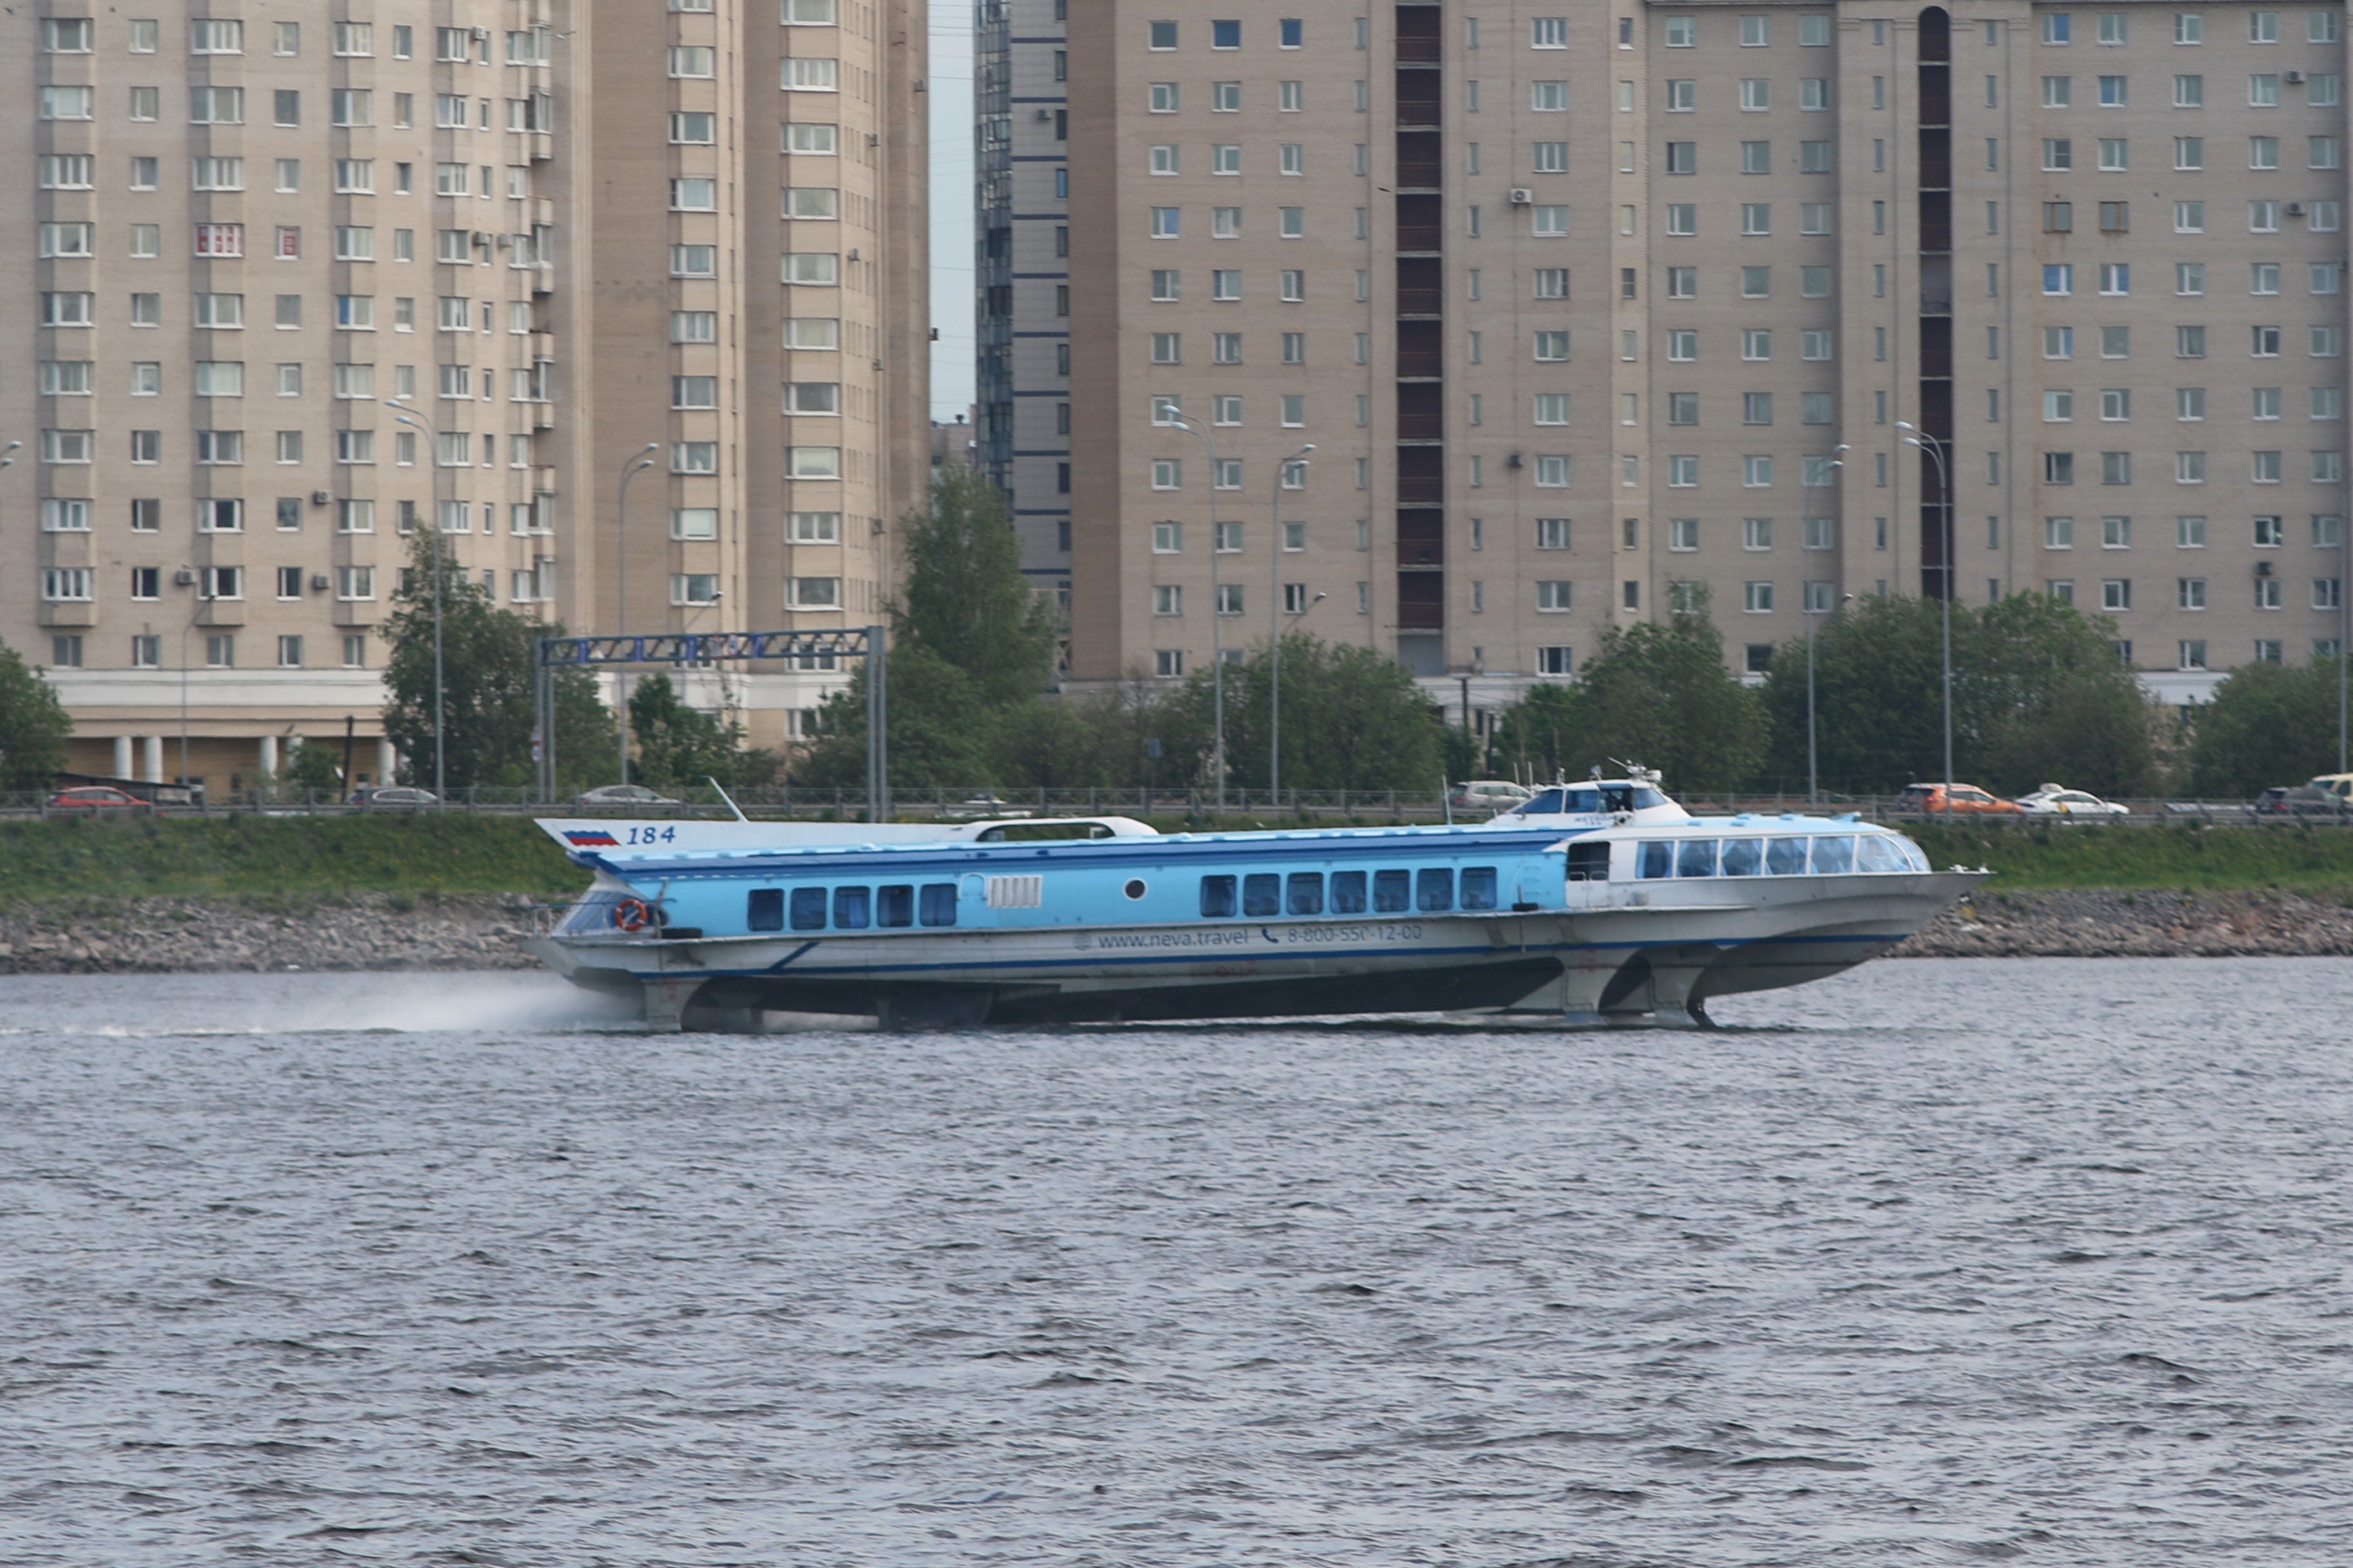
813,592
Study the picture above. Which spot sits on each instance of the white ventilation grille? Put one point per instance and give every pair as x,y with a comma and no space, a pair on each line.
1016,893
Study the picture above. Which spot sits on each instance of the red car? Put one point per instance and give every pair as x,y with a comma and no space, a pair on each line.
92,799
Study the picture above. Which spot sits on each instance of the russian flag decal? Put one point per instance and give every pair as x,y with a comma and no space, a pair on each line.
591,838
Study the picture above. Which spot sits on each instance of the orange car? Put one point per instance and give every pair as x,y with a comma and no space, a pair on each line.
1954,798
91,799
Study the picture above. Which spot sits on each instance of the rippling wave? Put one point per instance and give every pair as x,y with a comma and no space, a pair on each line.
2035,1261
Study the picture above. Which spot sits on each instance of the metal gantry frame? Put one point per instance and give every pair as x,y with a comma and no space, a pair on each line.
689,648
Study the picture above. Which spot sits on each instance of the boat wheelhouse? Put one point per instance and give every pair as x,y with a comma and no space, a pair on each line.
1635,912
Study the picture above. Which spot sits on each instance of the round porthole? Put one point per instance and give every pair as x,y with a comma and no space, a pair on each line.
1134,888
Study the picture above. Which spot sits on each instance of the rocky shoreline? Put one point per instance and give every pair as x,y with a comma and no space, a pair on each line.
2092,922
187,936
376,931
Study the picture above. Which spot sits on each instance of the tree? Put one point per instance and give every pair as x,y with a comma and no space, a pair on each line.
941,735
1654,693
2267,725
971,647
316,765
1532,734
966,600
1352,718
33,725
2038,694
678,748
487,667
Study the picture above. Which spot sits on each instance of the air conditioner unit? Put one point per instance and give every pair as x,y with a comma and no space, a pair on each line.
2295,209
321,498
1523,198
1513,461
321,582
2293,78
2262,568
184,578
1046,115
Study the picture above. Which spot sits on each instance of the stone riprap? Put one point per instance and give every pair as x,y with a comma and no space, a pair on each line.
363,932
2092,922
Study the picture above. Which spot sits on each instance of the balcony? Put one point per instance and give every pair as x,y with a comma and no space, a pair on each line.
1419,160
1420,350
1421,286
1422,475
1420,539
1421,411
1419,31
1422,600
1420,222
1420,98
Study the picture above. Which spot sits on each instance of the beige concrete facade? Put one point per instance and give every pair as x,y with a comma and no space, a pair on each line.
1598,301
555,232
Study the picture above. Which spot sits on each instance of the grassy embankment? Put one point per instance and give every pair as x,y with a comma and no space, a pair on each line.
2292,858
262,858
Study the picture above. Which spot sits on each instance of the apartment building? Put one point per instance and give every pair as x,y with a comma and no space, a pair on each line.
1989,300
543,241
1022,197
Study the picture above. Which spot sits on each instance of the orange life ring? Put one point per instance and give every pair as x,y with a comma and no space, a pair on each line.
632,914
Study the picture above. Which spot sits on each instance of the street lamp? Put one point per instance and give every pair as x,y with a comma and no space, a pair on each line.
1813,771
404,415
1935,449
203,597
640,459
1813,775
1216,647
1274,621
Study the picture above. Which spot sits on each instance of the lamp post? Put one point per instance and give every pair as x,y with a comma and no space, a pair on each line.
1813,770
640,459
1935,449
410,416
1217,646
204,596
1813,775
1274,622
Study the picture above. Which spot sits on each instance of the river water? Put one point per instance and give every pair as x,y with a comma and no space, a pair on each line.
2036,1260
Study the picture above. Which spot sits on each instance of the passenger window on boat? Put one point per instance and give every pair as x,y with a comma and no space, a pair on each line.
894,906
1578,800
1348,892
936,904
1784,857
1658,859
1876,852
1742,857
849,909
1696,858
1545,803
1216,896
1914,856
1392,893
1303,895
808,909
1433,890
1478,887
1588,862
763,909
1263,894
1833,854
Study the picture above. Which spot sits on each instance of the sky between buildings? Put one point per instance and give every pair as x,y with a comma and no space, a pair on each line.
952,216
